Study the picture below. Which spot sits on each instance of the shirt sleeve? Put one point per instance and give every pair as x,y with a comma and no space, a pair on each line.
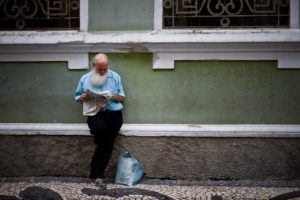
120,88
79,90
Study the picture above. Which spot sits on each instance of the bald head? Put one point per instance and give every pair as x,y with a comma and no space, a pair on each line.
100,63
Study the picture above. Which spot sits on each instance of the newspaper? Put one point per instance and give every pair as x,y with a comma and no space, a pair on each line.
97,102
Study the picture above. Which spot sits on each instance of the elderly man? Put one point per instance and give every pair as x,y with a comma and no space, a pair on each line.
105,124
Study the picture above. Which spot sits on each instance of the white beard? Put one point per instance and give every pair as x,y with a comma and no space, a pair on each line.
98,79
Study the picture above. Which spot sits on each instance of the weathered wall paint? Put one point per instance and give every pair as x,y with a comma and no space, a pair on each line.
120,15
38,92
205,92
212,92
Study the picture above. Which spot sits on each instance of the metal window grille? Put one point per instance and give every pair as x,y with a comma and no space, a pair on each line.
39,14
226,13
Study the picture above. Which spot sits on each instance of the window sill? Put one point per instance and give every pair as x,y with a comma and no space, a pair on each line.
160,36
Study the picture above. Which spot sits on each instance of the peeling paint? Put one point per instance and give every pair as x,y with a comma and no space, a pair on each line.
133,49
194,126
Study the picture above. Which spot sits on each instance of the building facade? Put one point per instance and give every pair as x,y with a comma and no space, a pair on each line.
212,89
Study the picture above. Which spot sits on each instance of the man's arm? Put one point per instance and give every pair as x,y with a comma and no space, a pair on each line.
80,96
117,98
120,95
78,91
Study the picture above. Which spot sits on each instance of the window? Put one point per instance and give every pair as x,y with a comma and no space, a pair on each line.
39,14
226,13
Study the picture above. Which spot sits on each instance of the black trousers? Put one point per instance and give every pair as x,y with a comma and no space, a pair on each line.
104,126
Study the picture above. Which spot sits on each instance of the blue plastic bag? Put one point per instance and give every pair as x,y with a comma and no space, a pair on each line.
130,169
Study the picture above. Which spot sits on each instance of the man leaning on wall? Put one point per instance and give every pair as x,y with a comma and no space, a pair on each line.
104,121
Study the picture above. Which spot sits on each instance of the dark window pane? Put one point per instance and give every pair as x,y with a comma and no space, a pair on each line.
226,13
39,14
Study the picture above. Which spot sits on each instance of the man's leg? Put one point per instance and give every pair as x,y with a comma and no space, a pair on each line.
114,123
105,135
97,125
98,129
97,164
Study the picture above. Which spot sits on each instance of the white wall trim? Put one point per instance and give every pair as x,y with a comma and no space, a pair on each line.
285,59
75,60
158,130
84,15
166,46
294,14
148,37
158,13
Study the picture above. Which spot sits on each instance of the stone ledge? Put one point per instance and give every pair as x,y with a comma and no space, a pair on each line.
158,130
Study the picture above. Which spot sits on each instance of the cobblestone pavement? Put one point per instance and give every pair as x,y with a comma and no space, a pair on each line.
57,188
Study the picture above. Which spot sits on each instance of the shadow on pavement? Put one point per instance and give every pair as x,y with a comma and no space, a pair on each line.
39,193
34,193
120,192
286,196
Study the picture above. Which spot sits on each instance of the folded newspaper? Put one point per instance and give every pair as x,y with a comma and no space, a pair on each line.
97,102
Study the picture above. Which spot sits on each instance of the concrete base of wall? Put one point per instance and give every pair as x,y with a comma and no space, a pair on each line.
163,157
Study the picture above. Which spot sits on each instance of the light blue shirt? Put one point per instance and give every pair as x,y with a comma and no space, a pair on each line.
113,85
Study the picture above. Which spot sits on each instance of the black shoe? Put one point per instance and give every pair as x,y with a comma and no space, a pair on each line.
99,183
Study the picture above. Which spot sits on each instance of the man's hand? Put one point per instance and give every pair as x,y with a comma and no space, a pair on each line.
108,96
117,98
114,97
84,97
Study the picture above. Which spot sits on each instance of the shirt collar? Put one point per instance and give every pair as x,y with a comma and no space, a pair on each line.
109,73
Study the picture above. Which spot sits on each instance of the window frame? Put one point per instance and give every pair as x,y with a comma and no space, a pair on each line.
158,18
236,41
83,21
84,15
